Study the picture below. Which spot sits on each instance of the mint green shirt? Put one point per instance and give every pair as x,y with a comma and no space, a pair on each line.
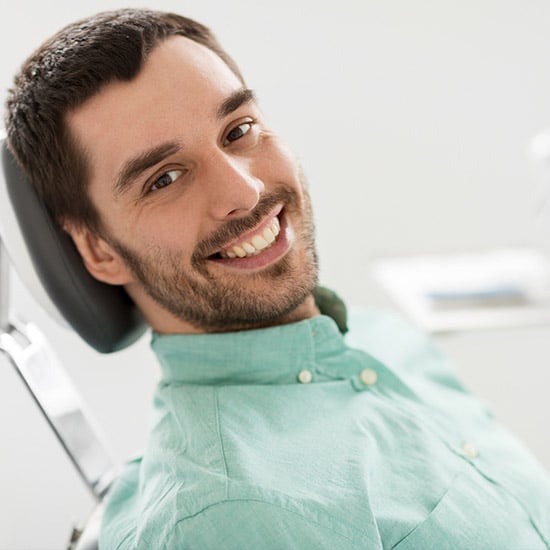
298,437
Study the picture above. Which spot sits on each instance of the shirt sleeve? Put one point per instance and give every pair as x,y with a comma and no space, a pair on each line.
234,525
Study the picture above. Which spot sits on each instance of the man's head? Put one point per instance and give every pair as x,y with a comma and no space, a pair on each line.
66,71
148,148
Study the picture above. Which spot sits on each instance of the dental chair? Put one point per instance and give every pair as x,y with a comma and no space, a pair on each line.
48,264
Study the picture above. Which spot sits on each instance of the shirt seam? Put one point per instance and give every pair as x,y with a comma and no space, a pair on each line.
276,505
220,441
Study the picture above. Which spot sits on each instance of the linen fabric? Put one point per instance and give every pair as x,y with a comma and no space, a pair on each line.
298,437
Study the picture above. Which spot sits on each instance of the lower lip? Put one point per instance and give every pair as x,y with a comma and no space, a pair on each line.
267,257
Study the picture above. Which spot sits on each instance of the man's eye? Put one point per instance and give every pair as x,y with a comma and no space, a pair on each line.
238,132
165,179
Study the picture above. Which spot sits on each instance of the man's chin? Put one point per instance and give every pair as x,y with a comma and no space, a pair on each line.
254,312
237,301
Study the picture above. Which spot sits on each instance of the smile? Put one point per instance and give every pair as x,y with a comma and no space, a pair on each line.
256,243
261,247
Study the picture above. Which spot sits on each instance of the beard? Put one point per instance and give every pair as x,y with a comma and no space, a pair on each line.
232,301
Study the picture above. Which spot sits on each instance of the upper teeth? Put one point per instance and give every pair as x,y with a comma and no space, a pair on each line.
255,244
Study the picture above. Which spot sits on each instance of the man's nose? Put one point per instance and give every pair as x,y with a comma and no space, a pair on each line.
233,190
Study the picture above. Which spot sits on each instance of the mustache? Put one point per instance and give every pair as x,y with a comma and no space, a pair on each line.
232,229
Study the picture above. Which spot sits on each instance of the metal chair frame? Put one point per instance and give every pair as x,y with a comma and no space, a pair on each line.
26,348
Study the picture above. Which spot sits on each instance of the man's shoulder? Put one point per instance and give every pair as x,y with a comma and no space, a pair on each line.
118,529
250,523
246,519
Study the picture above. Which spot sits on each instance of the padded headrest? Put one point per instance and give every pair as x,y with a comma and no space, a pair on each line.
47,261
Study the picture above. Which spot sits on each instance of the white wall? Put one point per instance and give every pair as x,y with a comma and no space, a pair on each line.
412,120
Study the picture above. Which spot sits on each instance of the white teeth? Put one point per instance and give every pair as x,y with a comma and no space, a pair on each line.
256,244
239,251
259,242
268,236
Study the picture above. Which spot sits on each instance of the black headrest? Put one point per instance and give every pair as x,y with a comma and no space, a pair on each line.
103,315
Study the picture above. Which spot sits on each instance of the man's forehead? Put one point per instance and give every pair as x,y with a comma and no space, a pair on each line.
176,61
181,52
181,84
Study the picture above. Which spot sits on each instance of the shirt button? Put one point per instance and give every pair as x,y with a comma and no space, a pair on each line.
470,450
305,376
368,377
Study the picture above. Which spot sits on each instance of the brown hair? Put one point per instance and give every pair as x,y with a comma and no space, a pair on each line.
63,73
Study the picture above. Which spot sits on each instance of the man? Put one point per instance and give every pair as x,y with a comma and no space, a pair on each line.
271,429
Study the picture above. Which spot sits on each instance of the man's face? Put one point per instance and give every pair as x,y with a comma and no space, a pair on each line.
202,203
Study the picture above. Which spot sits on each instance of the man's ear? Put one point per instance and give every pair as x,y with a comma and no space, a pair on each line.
99,257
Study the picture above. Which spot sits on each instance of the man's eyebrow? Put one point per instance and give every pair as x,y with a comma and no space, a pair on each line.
135,166
234,101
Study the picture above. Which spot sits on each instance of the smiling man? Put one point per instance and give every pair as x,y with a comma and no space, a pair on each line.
205,216
271,428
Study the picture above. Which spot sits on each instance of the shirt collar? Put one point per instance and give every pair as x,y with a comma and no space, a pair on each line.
264,356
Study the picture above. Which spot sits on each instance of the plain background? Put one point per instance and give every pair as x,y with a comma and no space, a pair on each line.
412,120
